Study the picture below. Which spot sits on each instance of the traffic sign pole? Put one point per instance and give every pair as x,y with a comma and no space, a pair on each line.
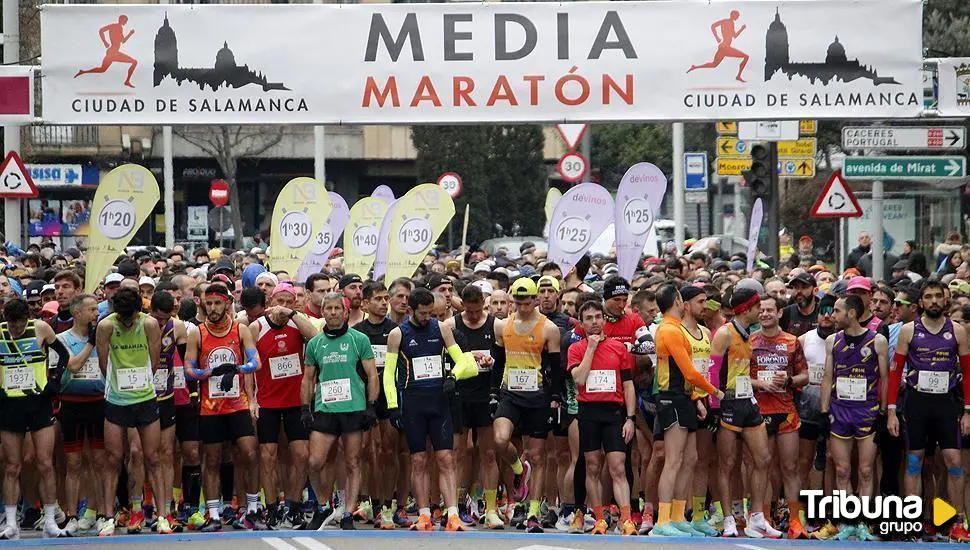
876,229
13,214
679,184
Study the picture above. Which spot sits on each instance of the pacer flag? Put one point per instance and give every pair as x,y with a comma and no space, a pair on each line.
384,193
360,241
757,214
325,236
384,241
301,207
122,203
583,213
638,199
420,217
553,197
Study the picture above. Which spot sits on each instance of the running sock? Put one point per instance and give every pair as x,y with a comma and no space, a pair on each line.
677,510
697,507
136,504
795,509
192,485
566,510
11,511
534,508
718,508
452,511
490,497
424,512
227,480
462,493
177,494
663,516
648,509
624,513
50,510
340,497
213,507
598,512
517,467
252,502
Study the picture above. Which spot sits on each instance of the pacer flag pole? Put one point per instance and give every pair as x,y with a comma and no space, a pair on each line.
301,207
638,199
464,237
757,214
325,237
422,214
553,196
583,213
363,227
125,198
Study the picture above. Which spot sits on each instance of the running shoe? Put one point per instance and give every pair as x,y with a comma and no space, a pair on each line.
386,520
958,533
195,521
628,529
176,525
455,524
758,528
562,524
646,525
73,528
466,519
492,521
316,522
730,527
667,530
577,525
121,518
688,527
10,532
520,483
31,516
364,512
845,532
52,531
107,528
826,532
333,517
163,527
862,533
600,527
255,521
705,528
436,514
423,524
795,529
549,519
87,522
519,517
211,526
532,525
401,518
347,523
135,522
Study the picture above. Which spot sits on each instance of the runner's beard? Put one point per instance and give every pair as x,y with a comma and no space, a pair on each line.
220,324
934,313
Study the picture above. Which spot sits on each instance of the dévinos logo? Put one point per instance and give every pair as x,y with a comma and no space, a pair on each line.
889,515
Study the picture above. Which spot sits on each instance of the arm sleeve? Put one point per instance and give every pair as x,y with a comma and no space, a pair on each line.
63,355
389,379
680,353
498,367
896,376
552,363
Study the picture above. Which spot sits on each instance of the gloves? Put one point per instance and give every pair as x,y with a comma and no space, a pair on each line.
492,406
306,416
224,368
227,381
880,426
370,413
93,334
53,386
394,416
824,425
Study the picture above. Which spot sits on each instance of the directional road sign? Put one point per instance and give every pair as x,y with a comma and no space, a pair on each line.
903,137
904,168
726,127
807,127
796,168
730,146
836,200
769,130
804,147
732,166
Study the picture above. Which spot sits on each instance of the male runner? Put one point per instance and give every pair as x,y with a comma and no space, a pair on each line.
280,336
857,368
132,340
499,305
606,412
67,285
778,366
317,285
213,356
414,366
29,386
801,316
526,357
731,365
352,287
398,292
934,352
342,406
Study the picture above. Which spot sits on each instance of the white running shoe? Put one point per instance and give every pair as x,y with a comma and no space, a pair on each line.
334,518
730,527
10,532
52,531
758,528
107,527
86,523
562,524
72,528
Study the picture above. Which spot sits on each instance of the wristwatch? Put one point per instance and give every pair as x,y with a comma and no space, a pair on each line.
293,313
631,417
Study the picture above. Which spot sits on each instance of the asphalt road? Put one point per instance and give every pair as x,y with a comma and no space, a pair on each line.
399,540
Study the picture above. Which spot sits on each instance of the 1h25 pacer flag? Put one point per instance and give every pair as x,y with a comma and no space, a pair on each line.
481,62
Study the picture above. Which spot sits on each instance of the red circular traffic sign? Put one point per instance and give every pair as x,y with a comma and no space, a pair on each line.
451,183
572,167
219,192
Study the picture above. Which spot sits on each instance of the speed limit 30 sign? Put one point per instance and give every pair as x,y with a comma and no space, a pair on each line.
572,167
451,183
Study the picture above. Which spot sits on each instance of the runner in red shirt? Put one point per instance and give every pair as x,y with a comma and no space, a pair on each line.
280,335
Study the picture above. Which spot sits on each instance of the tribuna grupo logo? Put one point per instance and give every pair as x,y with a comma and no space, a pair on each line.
888,515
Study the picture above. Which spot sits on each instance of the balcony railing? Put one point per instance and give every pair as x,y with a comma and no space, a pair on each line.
64,136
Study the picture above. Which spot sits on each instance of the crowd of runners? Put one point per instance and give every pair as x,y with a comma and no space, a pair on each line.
202,391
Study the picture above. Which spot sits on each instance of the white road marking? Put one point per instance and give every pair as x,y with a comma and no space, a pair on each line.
312,544
544,547
751,547
278,543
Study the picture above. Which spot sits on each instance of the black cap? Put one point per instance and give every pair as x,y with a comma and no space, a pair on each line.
689,292
143,253
348,280
615,286
224,264
33,289
900,265
436,280
804,278
525,246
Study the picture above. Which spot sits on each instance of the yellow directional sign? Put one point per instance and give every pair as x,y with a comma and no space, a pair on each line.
729,146
807,127
797,168
726,127
804,147
732,166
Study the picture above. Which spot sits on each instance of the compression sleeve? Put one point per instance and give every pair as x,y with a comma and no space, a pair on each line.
181,349
965,367
717,363
498,367
390,379
463,370
552,365
896,376
193,371
680,353
63,355
252,361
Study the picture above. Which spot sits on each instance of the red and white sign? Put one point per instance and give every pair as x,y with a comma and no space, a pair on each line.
219,193
451,183
16,93
572,167
836,200
15,181
571,134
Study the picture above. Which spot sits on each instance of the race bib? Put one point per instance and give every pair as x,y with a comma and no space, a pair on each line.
380,353
286,366
427,368
216,393
335,391
523,379
702,365
933,381
483,353
767,376
850,389
160,381
90,370
815,373
742,387
601,381
178,382
133,379
21,378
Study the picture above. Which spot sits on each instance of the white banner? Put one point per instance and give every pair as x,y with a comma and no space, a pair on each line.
954,90
482,62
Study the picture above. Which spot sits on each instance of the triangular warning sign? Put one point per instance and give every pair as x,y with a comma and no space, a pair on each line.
15,181
571,133
836,200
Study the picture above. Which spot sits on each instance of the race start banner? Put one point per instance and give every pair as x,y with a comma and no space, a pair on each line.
502,62
125,198
302,208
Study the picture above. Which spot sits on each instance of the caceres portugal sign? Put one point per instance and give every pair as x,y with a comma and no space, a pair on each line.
482,62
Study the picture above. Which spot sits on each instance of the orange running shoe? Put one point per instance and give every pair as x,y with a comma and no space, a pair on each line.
958,533
454,524
600,527
121,518
423,524
135,522
796,530
629,528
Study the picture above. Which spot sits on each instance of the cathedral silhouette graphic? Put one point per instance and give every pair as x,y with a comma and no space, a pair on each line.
836,65
224,73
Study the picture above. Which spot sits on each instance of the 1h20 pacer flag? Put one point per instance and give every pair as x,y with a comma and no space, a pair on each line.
301,209
581,215
638,200
125,198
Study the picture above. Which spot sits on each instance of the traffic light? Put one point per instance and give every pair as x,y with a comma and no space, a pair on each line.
763,174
